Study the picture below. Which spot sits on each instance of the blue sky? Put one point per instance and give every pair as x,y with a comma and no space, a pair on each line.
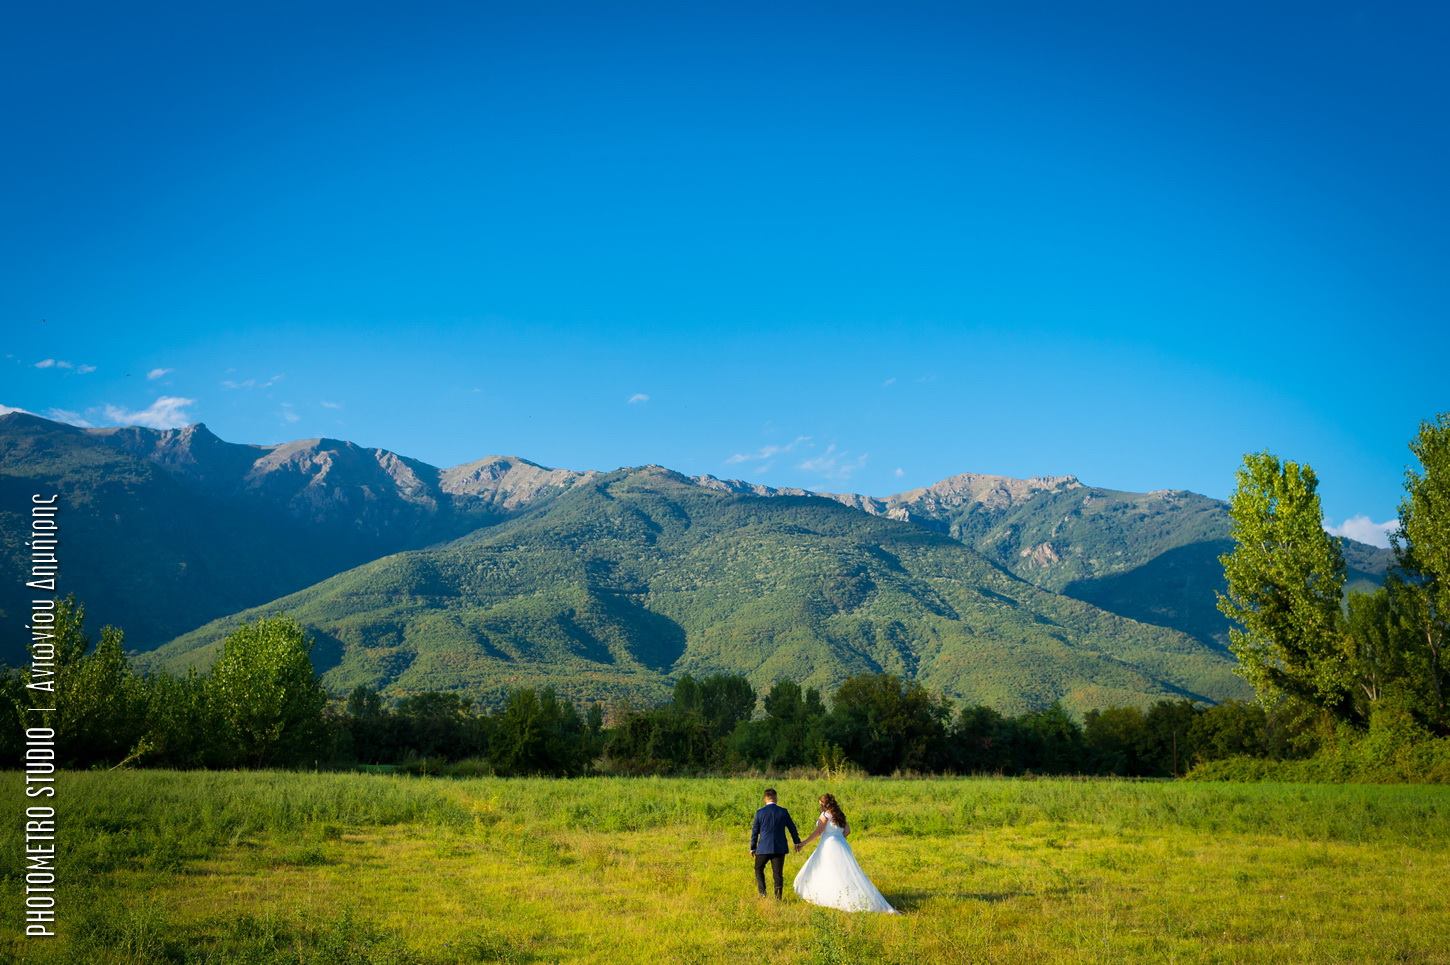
844,248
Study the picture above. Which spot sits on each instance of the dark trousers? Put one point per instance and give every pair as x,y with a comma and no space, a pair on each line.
777,872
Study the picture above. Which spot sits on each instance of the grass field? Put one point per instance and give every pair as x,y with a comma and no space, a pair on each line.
274,867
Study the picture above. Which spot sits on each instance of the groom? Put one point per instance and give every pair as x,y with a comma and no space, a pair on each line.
767,842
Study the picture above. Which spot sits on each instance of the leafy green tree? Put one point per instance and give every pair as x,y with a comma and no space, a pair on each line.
687,698
1168,747
594,731
432,724
368,725
1116,740
102,704
1285,582
789,733
694,732
265,693
71,642
182,727
885,724
1378,645
100,701
13,700
1052,741
725,700
365,703
1422,547
983,742
537,733
662,741
1230,729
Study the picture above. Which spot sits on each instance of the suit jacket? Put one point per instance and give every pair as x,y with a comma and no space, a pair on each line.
767,832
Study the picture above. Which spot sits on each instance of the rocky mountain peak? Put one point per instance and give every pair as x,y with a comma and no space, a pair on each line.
744,488
507,482
194,451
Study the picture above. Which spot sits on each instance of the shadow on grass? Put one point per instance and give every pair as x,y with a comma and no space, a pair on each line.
907,901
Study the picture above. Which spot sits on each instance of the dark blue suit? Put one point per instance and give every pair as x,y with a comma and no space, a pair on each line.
767,843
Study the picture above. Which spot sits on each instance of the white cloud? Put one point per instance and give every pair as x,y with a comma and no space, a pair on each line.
287,414
167,412
251,383
637,398
899,472
330,405
1365,530
155,374
834,463
7,409
66,415
889,382
82,369
767,452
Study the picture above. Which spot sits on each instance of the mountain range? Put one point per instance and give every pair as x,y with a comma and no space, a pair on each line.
498,572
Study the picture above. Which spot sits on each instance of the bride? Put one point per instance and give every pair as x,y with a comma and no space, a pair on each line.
831,876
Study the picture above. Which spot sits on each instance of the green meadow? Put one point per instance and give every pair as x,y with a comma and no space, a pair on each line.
162,866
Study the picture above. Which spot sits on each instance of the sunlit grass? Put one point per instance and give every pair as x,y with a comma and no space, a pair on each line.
269,867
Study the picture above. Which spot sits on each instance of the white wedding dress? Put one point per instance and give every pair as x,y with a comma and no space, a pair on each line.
831,876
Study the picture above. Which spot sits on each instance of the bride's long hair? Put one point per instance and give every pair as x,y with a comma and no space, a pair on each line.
829,805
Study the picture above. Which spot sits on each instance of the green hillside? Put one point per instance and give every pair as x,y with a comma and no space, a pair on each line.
632,577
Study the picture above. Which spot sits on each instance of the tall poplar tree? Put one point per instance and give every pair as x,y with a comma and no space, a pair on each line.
1285,586
265,693
1422,547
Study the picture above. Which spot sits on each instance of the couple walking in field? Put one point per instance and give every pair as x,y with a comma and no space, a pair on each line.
830,876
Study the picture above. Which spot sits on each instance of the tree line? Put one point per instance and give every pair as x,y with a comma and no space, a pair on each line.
261,705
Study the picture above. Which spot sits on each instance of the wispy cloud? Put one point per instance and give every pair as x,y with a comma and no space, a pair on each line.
1366,530
251,383
767,452
288,414
834,463
59,415
167,412
637,399
155,374
82,369
898,472
889,382
66,415
330,405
